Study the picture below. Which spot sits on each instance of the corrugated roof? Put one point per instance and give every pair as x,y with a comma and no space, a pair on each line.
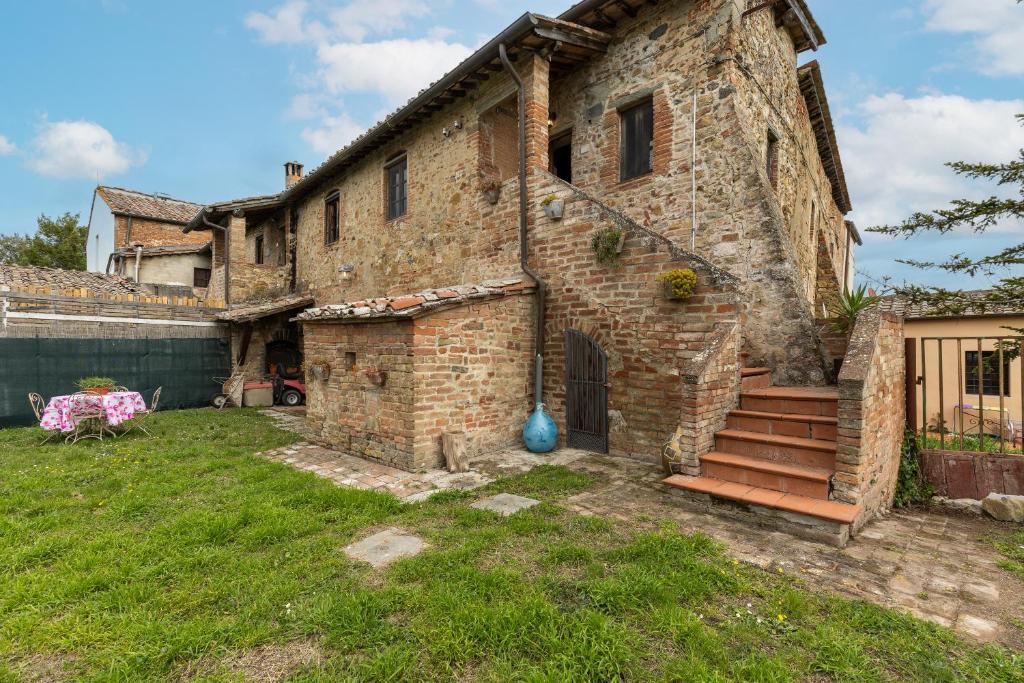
143,205
412,305
17,277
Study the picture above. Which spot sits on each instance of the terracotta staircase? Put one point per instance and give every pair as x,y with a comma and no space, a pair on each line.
777,455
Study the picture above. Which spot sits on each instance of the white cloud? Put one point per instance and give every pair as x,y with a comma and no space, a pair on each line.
305,106
894,161
80,149
360,18
396,69
997,24
286,25
6,146
333,133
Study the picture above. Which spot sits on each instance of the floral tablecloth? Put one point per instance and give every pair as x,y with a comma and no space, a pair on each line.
118,407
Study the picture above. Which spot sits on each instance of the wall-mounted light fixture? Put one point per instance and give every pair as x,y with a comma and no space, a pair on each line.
347,271
552,119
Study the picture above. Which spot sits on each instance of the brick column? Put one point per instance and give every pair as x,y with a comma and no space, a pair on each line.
535,71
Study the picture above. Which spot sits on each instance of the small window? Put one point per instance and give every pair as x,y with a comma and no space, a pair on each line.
332,218
636,154
814,218
258,257
398,186
201,277
772,159
989,372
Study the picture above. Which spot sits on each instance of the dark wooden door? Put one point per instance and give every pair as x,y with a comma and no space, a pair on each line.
586,393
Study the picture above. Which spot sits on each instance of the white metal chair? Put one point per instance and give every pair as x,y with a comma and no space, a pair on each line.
38,404
142,417
88,418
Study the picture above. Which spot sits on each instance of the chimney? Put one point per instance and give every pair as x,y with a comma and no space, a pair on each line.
292,173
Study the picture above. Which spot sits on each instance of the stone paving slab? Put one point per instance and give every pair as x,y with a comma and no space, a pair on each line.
505,504
935,564
383,548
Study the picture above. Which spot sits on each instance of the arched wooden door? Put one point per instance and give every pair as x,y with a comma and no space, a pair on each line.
586,393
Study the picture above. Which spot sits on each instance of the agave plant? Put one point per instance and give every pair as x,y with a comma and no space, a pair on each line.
848,306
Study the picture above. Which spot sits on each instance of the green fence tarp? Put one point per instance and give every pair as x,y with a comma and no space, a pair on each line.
185,368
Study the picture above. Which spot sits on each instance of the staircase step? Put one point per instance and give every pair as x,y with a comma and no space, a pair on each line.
784,424
755,378
784,449
829,510
792,400
812,482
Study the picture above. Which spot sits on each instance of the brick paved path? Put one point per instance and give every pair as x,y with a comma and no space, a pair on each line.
939,566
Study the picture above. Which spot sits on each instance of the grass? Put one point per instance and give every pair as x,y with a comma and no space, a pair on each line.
1012,550
972,443
184,557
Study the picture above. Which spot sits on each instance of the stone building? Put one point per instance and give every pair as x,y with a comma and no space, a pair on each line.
682,133
140,237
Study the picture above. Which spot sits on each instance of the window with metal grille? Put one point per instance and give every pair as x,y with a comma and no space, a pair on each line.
201,277
398,181
332,218
258,258
636,146
989,373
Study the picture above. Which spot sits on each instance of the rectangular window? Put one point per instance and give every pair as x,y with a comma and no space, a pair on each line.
398,188
989,373
258,257
636,131
200,277
772,159
332,218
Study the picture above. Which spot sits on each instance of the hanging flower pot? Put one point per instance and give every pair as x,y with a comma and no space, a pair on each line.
679,283
554,208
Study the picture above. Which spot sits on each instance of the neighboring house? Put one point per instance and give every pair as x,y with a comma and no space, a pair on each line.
101,284
949,393
141,239
689,130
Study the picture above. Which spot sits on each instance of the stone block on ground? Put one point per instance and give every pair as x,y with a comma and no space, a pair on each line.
1003,507
505,504
385,547
455,448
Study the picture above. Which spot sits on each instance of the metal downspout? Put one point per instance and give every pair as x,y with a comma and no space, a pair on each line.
138,262
227,256
524,248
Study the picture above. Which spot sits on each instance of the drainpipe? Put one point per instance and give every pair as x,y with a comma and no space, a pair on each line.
524,249
138,261
227,254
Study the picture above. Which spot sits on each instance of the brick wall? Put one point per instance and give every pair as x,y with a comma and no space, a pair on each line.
872,414
462,369
658,349
153,233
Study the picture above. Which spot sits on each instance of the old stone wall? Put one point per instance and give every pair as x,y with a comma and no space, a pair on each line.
176,269
657,347
672,53
462,369
151,233
872,414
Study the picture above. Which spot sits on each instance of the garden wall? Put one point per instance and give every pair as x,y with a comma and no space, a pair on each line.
964,474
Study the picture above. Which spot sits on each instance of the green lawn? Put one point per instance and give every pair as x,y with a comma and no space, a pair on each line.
183,557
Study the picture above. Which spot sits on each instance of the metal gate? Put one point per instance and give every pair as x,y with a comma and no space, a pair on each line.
586,393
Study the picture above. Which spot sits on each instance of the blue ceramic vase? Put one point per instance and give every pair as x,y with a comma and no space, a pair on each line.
540,432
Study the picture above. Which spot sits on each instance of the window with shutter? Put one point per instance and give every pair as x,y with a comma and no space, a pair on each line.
258,257
636,156
200,277
332,218
397,183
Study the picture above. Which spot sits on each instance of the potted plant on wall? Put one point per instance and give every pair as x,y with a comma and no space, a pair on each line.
377,377
848,306
607,244
96,386
679,283
320,369
492,191
554,208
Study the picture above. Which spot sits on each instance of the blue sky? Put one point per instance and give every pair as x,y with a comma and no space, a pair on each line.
205,100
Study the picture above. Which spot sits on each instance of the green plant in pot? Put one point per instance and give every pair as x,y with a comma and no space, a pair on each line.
679,283
607,245
848,306
97,386
554,208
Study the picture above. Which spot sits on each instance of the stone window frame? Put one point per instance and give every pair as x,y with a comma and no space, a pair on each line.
332,234
610,148
623,111
397,159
